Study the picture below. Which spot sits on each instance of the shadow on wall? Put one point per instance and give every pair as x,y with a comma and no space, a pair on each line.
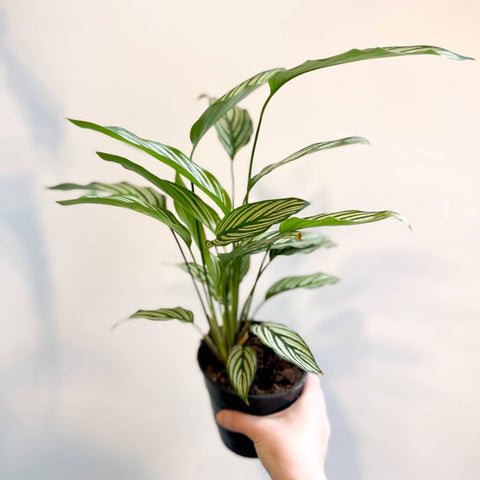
34,101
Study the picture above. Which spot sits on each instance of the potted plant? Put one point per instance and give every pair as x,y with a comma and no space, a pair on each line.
217,237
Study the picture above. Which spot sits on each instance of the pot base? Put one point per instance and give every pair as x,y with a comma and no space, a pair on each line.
224,397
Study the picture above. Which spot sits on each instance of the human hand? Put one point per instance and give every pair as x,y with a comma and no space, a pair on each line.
291,444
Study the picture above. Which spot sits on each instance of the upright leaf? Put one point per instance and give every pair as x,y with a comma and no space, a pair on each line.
286,344
234,129
355,55
171,157
225,103
314,280
315,147
241,367
346,217
254,218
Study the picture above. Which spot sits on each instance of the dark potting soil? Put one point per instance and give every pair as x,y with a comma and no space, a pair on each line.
273,375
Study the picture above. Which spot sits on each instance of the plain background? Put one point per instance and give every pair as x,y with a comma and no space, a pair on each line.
397,337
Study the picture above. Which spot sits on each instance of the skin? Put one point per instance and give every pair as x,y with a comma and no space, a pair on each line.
291,444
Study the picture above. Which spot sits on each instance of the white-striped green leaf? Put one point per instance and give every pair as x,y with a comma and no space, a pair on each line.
346,217
286,344
201,274
225,103
254,245
131,203
146,195
255,218
171,157
300,243
180,194
314,280
315,147
241,367
356,55
177,313
234,129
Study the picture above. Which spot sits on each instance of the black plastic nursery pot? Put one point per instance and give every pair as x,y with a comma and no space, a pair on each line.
222,397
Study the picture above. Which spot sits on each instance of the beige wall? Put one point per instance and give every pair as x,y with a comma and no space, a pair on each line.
398,337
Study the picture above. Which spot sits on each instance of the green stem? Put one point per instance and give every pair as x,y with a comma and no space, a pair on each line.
252,155
248,302
190,273
232,176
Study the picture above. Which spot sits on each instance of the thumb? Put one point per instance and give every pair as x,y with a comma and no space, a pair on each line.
238,422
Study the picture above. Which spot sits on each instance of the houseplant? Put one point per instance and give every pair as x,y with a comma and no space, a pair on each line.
216,238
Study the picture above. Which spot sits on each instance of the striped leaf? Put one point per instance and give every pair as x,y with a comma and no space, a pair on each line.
133,203
225,103
146,195
180,194
346,217
234,129
241,367
170,156
200,274
177,313
303,243
355,55
314,280
286,344
255,218
258,244
197,271
315,147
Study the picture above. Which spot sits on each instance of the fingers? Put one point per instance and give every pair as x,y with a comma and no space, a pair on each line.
238,422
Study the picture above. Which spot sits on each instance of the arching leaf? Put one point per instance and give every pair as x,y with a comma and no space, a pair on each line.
171,157
177,313
315,147
346,217
286,344
300,243
254,218
314,280
189,200
137,202
225,103
356,55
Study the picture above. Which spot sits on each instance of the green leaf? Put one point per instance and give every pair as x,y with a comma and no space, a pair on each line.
145,195
241,367
356,55
254,218
286,344
300,243
234,129
200,274
177,313
197,271
133,203
258,244
189,200
346,217
314,280
315,147
225,103
171,157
